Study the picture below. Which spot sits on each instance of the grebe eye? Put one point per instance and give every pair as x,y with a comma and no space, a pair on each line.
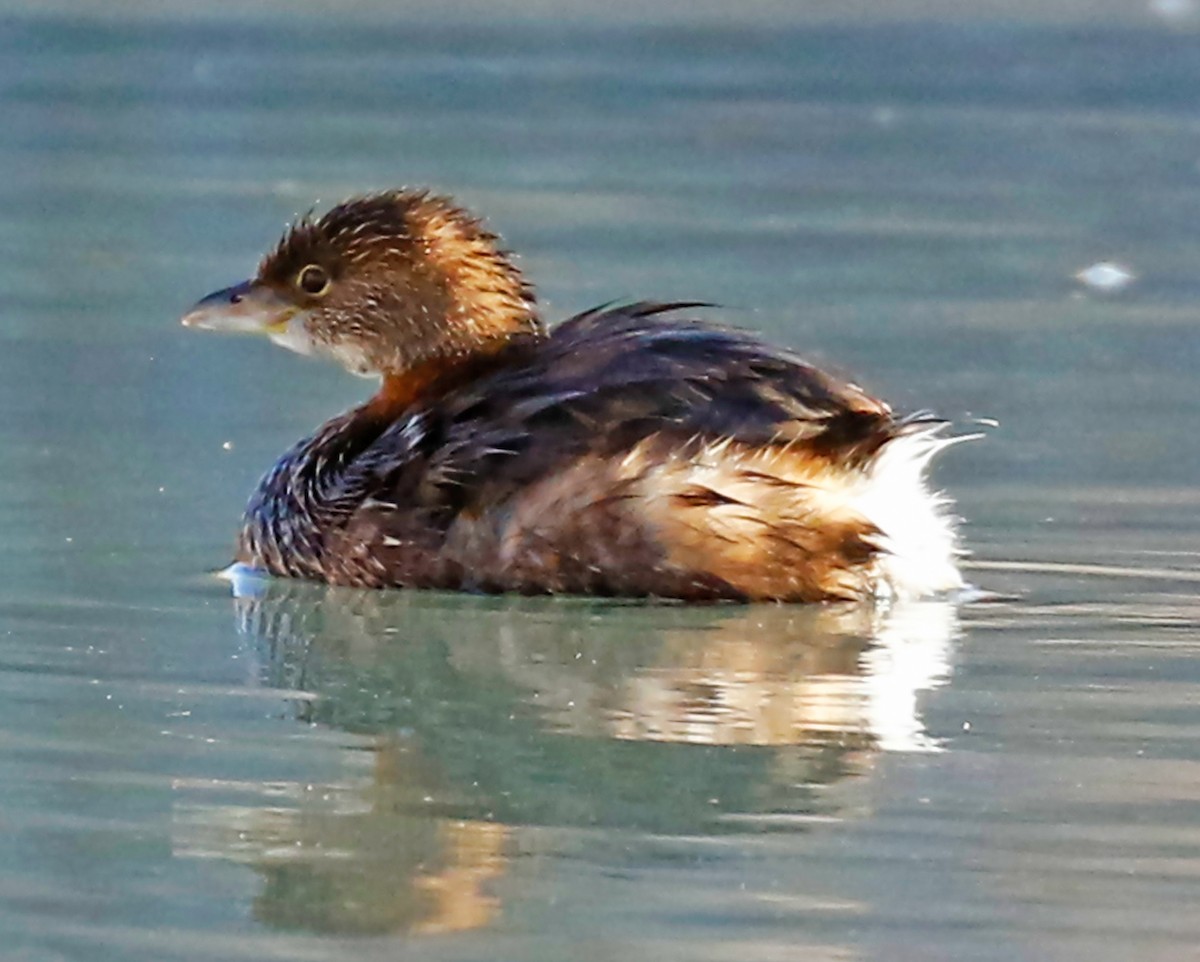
313,280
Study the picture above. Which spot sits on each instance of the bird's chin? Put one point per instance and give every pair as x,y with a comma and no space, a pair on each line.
292,332
296,336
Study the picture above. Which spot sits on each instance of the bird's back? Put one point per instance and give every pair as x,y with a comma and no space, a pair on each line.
637,451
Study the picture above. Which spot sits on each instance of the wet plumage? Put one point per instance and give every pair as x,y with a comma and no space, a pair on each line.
631,450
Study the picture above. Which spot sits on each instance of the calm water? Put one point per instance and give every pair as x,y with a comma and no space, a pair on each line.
317,775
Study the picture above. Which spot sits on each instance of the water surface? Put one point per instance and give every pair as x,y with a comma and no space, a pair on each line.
308,773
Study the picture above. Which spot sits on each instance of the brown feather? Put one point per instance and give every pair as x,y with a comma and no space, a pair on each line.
631,451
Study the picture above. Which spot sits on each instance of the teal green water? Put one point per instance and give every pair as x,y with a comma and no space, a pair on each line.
305,773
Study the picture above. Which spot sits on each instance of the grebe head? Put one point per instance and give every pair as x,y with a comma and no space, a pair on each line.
384,284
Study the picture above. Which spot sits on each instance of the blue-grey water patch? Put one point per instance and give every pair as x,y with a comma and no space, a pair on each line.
918,197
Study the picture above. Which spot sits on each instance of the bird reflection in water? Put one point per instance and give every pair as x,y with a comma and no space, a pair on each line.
491,728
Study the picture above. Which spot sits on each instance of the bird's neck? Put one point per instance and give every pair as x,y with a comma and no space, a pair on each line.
424,382
400,391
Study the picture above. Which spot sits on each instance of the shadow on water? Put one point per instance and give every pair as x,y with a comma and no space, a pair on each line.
487,723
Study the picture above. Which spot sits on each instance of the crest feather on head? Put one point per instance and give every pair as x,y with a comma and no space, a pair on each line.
416,232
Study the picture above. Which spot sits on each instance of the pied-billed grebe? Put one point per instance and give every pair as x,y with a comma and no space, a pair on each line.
630,450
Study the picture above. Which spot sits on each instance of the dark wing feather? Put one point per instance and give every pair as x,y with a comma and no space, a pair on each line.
606,379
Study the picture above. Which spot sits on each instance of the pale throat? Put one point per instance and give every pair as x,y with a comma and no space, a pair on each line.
294,335
355,356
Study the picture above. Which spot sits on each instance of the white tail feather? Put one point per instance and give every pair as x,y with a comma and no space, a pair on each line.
919,538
